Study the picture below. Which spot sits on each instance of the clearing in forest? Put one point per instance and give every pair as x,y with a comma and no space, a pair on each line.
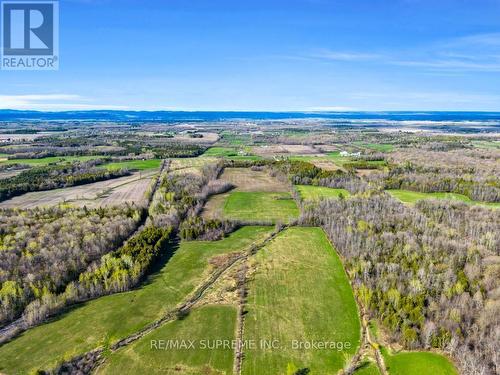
314,193
411,197
108,319
299,294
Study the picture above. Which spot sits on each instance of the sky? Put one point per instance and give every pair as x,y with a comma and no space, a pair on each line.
293,55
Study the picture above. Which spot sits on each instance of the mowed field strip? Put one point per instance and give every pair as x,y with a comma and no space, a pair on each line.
49,160
418,363
107,319
314,193
260,207
128,189
204,327
257,197
412,197
299,292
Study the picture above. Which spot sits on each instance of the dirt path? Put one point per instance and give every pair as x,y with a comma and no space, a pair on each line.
367,348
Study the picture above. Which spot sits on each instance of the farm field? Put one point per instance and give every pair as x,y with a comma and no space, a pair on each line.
203,326
109,318
411,197
299,291
285,150
198,162
314,193
258,206
128,189
381,147
338,159
244,180
230,153
234,138
136,165
49,160
418,363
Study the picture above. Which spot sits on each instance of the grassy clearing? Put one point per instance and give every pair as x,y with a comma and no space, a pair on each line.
339,160
367,368
489,145
183,163
258,206
231,153
418,363
314,193
381,147
411,197
236,138
136,165
202,326
110,318
49,160
299,291
221,152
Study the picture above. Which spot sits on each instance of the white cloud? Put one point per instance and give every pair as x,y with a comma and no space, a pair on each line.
330,109
345,56
51,102
479,53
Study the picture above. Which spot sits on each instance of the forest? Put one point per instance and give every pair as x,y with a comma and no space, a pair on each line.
42,250
430,275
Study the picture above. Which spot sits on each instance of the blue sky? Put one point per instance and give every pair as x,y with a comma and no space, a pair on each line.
269,55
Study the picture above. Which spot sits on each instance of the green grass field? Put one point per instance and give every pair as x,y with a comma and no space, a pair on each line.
381,147
221,151
299,291
314,193
411,197
257,206
368,368
235,139
137,165
418,363
202,326
337,158
231,153
489,145
110,318
49,160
